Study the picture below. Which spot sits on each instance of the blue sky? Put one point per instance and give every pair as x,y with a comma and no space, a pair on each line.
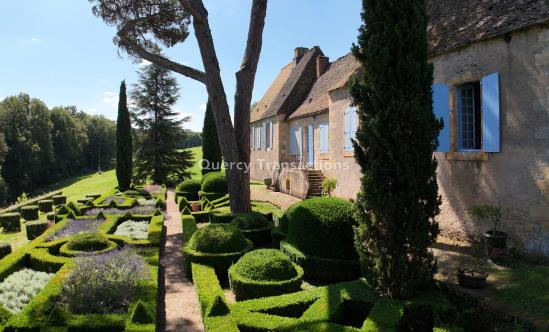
57,51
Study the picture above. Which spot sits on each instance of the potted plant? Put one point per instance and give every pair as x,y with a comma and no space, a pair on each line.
196,207
328,185
494,239
473,275
267,182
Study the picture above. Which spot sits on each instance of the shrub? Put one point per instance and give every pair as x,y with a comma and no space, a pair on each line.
219,238
36,228
216,245
93,196
5,249
104,283
214,182
10,222
322,227
88,242
255,227
30,212
45,205
262,273
20,287
137,230
189,186
50,216
59,199
76,226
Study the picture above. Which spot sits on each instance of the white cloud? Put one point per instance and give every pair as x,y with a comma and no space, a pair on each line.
203,107
110,98
144,63
35,40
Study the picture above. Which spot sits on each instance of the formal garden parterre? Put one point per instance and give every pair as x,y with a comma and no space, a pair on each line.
86,271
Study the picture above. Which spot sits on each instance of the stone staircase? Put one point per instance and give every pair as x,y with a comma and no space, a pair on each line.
315,178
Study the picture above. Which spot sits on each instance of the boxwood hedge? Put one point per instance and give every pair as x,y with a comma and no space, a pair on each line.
59,199
189,189
45,205
255,227
264,272
30,212
214,182
10,222
35,228
218,245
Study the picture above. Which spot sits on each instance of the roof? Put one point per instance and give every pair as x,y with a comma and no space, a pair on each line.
454,24
289,88
336,76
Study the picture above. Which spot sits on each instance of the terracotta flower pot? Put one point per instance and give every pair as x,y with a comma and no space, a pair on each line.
472,279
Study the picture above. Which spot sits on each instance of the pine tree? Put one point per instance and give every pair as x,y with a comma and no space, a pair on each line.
158,157
211,152
124,146
394,147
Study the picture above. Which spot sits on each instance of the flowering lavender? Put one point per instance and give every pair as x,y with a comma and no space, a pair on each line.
146,202
113,198
76,226
104,283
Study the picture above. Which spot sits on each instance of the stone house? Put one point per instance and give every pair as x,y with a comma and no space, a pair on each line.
491,87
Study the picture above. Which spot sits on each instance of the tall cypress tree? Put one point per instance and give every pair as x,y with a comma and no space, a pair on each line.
394,147
124,147
211,152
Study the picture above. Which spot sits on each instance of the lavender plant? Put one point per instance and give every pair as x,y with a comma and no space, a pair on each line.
146,202
104,283
137,230
76,226
20,287
113,198
140,210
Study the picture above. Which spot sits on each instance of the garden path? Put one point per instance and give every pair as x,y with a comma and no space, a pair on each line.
182,310
261,193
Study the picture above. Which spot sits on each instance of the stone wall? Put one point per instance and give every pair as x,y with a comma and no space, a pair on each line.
518,176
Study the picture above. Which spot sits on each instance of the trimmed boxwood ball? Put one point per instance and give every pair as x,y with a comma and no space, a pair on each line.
36,228
45,205
255,227
10,222
59,199
323,227
189,186
216,245
264,272
320,238
5,249
214,182
87,243
30,212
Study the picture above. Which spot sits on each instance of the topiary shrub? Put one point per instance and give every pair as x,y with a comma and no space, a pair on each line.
59,199
216,245
215,182
93,196
30,212
45,205
87,243
36,228
189,189
11,222
262,273
5,249
321,230
255,227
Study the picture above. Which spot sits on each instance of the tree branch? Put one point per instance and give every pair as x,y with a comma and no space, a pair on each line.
198,13
160,60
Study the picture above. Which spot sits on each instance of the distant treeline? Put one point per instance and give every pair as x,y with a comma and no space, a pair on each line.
193,139
39,146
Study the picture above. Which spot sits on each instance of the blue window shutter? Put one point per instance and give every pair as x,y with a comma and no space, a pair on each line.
347,129
251,137
299,142
441,108
323,137
490,113
263,136
353,124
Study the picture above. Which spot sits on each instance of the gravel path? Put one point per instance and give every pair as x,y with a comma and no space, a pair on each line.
261,193
181,305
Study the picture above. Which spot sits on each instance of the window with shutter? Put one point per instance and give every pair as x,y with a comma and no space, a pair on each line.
350,127
490,113
251,137
441,109
324,140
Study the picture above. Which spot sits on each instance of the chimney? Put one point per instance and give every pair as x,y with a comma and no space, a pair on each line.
322,63
299,53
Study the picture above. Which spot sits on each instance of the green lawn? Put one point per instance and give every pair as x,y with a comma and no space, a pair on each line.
77,187
196,169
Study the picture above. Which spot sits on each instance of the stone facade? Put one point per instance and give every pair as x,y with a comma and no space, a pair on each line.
517,177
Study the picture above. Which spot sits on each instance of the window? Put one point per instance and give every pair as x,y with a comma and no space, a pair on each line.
470,122
252,133
476,116
324,141
268,132
258,138
350,127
